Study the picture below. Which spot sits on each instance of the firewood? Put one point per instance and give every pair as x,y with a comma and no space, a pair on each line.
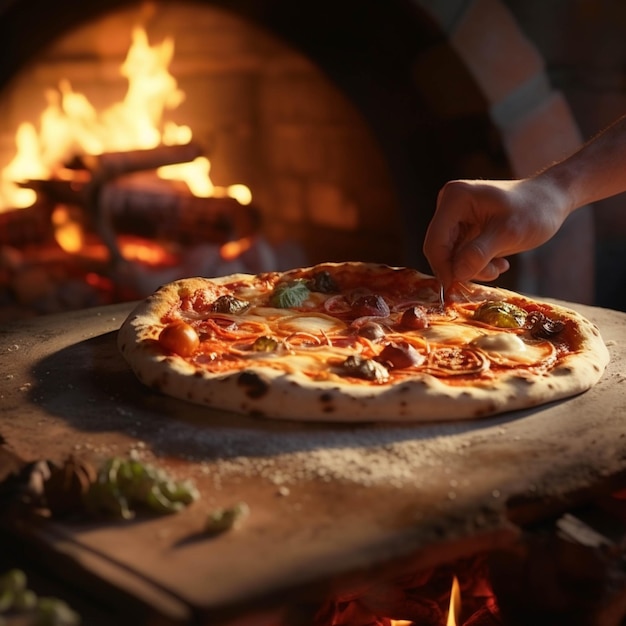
568,572
110,165
167,210
21,227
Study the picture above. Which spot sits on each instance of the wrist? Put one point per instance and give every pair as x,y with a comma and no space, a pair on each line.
555,188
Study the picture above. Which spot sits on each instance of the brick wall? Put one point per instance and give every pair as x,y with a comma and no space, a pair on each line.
267,116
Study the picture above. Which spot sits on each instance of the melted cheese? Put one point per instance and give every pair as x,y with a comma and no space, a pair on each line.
314,324
450,334
505,347
501,343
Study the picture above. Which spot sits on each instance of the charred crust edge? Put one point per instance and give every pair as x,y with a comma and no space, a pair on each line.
253,384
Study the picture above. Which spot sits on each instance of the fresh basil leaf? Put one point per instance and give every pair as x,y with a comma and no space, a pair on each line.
289,294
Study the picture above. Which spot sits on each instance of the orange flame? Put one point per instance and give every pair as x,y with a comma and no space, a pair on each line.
233,249
71,125
67,231
454,610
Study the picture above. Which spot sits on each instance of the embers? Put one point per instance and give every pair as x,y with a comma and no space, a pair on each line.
567,570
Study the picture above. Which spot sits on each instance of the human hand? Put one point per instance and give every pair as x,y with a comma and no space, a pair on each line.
478,223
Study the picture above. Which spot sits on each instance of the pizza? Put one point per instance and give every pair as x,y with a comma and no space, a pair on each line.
358,341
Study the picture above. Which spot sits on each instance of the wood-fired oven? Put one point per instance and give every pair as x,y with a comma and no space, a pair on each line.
343,119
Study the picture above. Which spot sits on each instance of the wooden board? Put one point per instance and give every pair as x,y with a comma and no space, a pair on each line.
333,507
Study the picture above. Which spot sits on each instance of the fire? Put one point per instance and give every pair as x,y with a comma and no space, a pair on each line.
233,249
454,611
70,125
67,231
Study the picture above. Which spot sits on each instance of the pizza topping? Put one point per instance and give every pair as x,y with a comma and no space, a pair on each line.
368,369
180,338
456,362
371,330
541,326
200,301
374,338
230,304
502,343
323,282
223,519
265,344
289,294
370,305
501,314
449,334
414,317
509,350
399,355
310,323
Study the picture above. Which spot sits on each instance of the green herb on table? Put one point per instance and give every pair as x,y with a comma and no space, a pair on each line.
223,519
17,600
123,485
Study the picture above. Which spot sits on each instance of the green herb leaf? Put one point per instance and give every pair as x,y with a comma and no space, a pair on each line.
221,520
289,294
123,484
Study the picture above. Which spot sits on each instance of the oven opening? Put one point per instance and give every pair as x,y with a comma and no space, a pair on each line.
170,139
166,141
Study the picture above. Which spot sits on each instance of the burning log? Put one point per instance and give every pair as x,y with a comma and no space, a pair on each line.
167,210
22,227
110,166
113,164
119,193
570,571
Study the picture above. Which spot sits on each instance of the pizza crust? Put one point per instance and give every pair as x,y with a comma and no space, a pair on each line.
266,392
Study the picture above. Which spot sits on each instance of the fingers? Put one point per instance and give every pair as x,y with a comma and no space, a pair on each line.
477,259
440,243
474,227
453,223
480,258
492,270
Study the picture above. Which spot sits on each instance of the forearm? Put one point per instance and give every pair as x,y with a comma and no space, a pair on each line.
595,172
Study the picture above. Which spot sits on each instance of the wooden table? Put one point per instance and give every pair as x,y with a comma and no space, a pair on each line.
331,505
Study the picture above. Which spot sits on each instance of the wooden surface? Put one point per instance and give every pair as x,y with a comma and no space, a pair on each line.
332,506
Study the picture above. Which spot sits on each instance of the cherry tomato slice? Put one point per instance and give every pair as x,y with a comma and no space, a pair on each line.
180,338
